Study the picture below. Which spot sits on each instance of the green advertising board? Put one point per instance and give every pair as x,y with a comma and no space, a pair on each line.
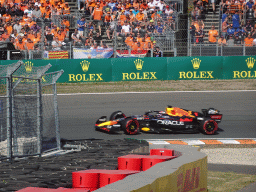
194,68
239,67
139,69
146,69
85,70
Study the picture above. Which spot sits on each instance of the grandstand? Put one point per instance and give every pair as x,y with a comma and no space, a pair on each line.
129,27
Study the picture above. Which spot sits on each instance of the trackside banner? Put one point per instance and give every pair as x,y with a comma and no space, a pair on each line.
138,69
148,69
191,177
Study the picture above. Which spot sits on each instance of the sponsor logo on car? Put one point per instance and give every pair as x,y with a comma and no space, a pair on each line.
168,122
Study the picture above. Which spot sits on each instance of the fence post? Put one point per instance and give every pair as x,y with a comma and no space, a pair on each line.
8,55
9,116
56,113
217,49
1,120
39,117
244,49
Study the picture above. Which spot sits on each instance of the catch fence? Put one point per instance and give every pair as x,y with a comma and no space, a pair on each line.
28,116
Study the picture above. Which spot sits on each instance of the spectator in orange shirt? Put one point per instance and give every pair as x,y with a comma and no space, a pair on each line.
66,9
29,45
65,22
97,14
36,38
20,45
134,45
129,40
140,16
212,35
91,6
248,41
47,14
8,27
222,41
139,38
61,36
7,17
107,19
5,35
144,5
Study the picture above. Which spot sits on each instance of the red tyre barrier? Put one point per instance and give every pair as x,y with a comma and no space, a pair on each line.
88,179
114,175
130,162
149,161
162,152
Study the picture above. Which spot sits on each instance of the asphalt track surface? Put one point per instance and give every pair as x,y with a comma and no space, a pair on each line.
79,112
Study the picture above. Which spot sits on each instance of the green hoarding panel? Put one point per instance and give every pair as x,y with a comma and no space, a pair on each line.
85,70
139,69
35,63
239,67
194,68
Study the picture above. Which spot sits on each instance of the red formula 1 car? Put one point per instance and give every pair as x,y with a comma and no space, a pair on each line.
173,119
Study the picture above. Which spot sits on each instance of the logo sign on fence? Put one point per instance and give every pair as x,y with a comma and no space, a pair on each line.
88,70
139,69
28,68
139,75
196,62
249,73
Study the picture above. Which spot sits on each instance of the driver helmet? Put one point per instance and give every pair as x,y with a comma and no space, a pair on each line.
169,110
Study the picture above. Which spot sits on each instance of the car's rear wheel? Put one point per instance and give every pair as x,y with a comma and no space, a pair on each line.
117,115
208,127
131,126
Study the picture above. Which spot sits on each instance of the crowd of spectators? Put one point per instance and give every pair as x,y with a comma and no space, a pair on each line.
131,22
21,23
237,23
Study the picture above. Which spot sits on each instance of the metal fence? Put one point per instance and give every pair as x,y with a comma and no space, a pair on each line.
24,116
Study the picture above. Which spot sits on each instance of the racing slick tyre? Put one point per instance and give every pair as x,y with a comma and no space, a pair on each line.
131,126
208,127
117,115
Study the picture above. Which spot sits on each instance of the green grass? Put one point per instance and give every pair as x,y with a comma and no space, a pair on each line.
228,181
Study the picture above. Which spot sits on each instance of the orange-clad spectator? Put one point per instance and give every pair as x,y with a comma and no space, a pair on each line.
143,44
155,15
144,5
129,40
61,36
131,16
140,16
66,9
64,32
196,24
25,18
8,27
122,17
23,7
65,22
107,19
127,4
140,48
212,35
139,38
30,35
5,35
134,45
25,38
97,16
36,38
30,22
54,30
7,17
48,13
48,4
91,5
136,4
59,10
43,8
29,45
103,4
147,38
248,41
20,45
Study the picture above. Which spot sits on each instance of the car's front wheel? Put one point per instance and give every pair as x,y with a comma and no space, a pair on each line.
131,126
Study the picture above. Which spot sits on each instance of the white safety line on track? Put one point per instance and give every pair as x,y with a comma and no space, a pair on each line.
115,93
